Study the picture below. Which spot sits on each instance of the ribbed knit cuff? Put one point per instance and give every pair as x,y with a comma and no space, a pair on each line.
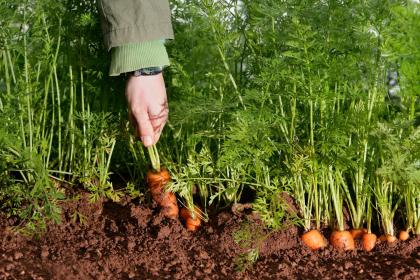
131,57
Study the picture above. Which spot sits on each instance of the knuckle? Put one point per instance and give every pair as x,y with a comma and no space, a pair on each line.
136,111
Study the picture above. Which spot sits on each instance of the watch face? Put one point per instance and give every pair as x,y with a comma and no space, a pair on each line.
137,73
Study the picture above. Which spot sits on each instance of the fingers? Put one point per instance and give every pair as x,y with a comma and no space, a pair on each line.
142,124
158,121
149,127
147,102
145,129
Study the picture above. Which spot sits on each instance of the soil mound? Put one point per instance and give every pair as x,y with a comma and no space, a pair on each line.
125,240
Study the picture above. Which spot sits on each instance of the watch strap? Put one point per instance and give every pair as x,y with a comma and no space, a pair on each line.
149,71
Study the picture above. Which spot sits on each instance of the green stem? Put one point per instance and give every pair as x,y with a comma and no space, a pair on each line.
154,158
335,182
369,216
225,63
59,119
6,72
71,121
84,120
27,92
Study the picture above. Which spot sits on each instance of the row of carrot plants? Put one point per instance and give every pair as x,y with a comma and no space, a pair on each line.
266,97
56,129
323,106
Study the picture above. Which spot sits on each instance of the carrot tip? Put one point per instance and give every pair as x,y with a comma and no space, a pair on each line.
192,224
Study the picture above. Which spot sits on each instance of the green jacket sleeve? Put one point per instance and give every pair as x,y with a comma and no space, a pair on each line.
130,57
134,21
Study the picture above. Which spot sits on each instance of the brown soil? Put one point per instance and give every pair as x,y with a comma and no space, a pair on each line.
130,241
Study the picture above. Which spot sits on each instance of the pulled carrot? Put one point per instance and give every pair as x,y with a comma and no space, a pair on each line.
170,206
192,222
167,200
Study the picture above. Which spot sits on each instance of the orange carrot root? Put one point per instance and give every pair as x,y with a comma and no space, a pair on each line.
404,235
388,238
167,200
170,206
342,240
358,233
314,240
391,238
156,182
192,224
368,241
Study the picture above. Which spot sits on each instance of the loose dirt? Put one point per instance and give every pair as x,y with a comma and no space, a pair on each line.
126,240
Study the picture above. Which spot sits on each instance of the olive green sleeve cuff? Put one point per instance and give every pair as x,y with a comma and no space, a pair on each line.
131,57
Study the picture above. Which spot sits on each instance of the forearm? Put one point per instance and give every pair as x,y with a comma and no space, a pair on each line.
135,32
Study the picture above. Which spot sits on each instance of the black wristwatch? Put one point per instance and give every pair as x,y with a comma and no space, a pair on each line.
149,71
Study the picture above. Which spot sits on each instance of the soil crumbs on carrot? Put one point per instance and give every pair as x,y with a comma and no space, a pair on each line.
125,240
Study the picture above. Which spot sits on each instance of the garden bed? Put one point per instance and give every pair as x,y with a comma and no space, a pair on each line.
125,240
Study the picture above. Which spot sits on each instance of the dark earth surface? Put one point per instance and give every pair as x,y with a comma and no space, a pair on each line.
126,240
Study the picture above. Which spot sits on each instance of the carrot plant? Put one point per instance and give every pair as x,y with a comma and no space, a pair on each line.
402,50
340,238
292,91
358,190
368,238
335,184
387,203
48,109
398,178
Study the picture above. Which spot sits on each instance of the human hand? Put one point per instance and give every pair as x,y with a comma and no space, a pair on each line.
148,106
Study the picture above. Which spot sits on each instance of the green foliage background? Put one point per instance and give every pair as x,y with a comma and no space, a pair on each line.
265,95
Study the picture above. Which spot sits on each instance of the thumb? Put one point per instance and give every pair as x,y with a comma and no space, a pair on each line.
145,129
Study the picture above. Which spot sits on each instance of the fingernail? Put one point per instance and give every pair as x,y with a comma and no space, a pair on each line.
147,140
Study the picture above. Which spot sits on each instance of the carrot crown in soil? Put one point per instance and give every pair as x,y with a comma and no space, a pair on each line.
154,158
